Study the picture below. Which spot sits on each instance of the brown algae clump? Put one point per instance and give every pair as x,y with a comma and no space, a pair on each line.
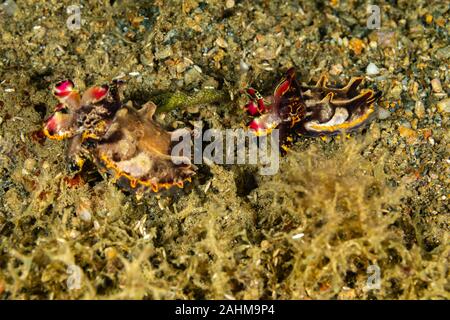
336,226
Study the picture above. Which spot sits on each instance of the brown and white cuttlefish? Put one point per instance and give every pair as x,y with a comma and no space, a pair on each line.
116,137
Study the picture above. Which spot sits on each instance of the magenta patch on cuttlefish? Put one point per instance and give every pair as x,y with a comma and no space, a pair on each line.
63,88
252,108
100,92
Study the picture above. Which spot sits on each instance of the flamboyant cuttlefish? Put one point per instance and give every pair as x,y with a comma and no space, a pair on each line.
128,143
118,138
316,110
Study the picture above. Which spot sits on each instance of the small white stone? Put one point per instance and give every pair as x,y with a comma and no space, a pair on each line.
84,212
196,67
163,53
229,4
372,69
85,215
10,7
383,114
74,234
298,236
243,66
221,42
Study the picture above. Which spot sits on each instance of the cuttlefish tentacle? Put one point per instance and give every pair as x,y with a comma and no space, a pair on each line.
65,92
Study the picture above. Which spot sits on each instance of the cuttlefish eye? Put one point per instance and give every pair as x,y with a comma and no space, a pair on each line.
251,92
254,94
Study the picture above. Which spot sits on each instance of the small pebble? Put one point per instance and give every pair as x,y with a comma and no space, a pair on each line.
110,253
386,39
298,236
336,69
443,106
196,67
436,85
192,75
383,114
10,7
164,53
221,42
229,4
419,109
84,212
146,58
372,69
396,91
244,67
443,53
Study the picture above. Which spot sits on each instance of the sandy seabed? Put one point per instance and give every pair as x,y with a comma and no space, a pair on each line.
362,217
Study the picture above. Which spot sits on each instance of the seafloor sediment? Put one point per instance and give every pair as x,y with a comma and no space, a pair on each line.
340,212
